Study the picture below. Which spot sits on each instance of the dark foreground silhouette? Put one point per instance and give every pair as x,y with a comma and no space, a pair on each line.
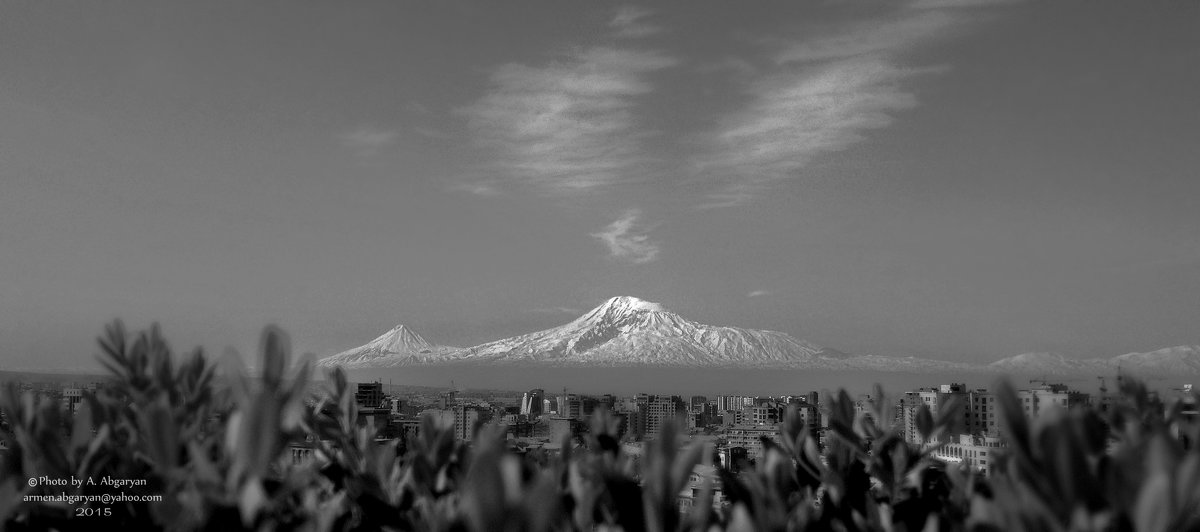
216,449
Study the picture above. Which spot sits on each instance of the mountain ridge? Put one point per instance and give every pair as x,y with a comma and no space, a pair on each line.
1181,359
627,331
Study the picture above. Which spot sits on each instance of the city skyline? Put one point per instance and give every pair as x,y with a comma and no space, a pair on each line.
962,181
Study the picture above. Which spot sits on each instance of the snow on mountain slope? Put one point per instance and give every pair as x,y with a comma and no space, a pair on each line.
1184,359
1046,363
630,332
397,347
626,331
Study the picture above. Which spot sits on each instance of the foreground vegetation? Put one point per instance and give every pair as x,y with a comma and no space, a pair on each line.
217,452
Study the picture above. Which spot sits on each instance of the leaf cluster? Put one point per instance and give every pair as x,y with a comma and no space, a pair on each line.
218,448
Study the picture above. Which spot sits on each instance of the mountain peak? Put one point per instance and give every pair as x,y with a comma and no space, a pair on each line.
398,345
625,304
628,331
400,329
399,338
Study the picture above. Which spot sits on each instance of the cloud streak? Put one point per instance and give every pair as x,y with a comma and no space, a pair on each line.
627,239
478,188
567,126
556,310
628,22
368,140
825,95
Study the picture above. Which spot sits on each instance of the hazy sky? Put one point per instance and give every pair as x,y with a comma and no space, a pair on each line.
957,180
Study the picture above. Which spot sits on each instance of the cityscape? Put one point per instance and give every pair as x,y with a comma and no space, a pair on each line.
734,425
733,428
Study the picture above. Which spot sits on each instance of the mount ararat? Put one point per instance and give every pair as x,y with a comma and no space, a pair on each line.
630,332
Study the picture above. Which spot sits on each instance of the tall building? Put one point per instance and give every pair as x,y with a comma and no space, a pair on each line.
1037,400
765,414
570,406
71,397
369,394
395,406
814,398
701,412
934,399
588,406
607,401
809,414
442,417
466,419
726,403
981,413
659,410
749,437
864,407
532,401
635,422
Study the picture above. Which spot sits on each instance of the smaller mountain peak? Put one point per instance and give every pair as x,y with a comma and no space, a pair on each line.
399,338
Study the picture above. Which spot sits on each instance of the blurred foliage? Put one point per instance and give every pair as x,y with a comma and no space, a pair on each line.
218,449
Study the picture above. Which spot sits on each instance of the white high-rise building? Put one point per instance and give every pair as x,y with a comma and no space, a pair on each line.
532,403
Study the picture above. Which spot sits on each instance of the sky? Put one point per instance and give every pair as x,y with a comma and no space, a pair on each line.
960,180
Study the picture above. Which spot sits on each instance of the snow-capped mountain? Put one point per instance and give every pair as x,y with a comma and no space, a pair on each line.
1179,360
630,332
627,331
397,347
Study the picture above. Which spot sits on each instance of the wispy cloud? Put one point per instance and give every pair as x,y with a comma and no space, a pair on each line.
796,117
825,95
479,188
877,37
368,140
556,310
627,239
728,64
629,22
569,125
941,4
758,293
430,133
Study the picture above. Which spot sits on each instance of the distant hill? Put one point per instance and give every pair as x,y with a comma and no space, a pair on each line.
1178,360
